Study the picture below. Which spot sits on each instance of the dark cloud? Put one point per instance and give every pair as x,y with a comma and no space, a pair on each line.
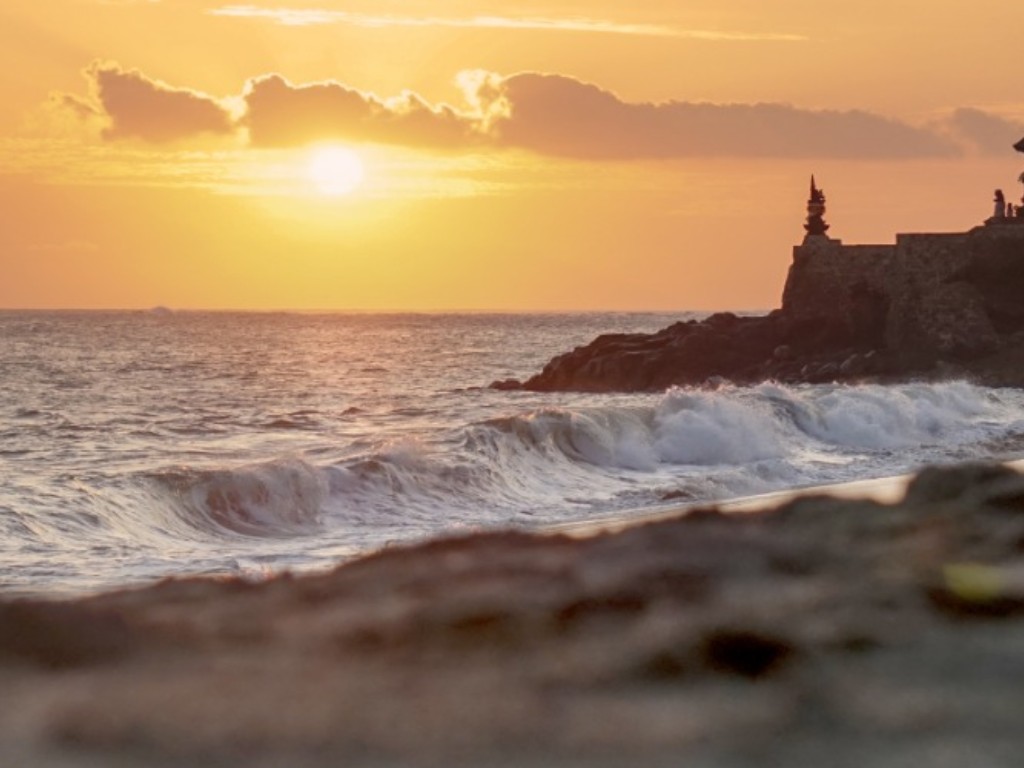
139,107
985,132
281,114
558,115
548,114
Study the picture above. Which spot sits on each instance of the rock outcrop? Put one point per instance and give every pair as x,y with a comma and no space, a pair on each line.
932,305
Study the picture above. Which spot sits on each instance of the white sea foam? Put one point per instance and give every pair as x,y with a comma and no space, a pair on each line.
720,427
276,498
557,462
876,417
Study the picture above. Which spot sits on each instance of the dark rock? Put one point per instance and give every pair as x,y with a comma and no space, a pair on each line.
677,495
852,366
827,372
972,483
723,320
507,385
887,311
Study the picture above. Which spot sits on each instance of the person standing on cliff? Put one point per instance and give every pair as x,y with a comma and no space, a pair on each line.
1000,201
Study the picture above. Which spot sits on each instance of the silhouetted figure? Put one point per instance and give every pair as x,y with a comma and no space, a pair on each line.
816,211
1019,146
1000,201
1010,211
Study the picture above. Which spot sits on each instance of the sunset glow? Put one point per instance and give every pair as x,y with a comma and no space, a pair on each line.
335,171
593,156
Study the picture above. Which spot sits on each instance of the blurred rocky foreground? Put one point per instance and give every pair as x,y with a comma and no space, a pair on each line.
823,633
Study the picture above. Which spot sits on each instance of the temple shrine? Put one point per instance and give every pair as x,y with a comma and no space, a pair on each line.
1008,213
816,211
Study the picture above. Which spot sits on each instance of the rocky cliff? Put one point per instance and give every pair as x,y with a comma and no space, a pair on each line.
932,305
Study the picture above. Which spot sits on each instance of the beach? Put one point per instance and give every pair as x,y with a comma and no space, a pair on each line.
826,631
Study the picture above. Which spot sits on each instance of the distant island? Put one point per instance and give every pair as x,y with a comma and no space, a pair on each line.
930,306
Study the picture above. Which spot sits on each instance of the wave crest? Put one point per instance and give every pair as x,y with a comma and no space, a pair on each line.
555,462
278,497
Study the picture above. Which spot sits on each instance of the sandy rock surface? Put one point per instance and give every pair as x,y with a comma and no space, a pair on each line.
825,632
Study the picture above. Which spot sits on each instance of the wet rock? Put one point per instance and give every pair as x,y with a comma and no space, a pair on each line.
827,372
507,385
852,366
680,494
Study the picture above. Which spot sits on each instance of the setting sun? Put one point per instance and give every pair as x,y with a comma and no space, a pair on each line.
335,171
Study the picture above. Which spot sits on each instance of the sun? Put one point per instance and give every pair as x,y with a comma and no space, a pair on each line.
335,171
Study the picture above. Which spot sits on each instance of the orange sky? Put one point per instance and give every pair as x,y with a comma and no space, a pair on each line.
564,155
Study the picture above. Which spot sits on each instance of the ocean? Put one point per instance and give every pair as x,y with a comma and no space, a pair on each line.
140,445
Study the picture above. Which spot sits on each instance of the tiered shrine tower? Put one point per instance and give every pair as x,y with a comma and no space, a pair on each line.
816,211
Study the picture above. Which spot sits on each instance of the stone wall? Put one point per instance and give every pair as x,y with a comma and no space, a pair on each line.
845,285
929,295
825,274
934,313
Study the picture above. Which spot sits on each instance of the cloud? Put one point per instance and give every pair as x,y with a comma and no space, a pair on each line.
303,17
559,115
549,114
139,107
278,113
983,131
81,108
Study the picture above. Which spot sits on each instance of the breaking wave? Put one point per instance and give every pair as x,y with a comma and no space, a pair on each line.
570,462
284,497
